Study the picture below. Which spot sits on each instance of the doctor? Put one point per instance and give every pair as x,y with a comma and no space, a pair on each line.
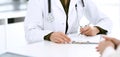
53,19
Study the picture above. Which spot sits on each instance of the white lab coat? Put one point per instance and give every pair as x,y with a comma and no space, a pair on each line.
110,52
37,25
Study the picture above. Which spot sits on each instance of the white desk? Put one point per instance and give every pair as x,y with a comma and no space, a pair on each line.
50,49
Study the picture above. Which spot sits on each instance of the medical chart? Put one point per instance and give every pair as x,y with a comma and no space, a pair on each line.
82,39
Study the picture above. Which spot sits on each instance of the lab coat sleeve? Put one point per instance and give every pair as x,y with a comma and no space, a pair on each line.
96,17
110,52
34,26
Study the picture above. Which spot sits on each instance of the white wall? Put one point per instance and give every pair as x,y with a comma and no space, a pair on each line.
2,38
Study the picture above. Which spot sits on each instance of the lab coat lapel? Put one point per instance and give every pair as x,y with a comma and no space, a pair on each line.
58,3
72,15
72,5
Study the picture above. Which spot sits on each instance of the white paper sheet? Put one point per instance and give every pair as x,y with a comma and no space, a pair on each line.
78,38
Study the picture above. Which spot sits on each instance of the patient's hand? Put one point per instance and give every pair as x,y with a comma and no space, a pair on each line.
114,40
104,44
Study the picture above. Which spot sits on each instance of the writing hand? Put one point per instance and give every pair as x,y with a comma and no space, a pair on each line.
89,30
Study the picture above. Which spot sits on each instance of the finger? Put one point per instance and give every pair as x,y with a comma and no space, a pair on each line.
86,28
97,47
88,32
98,51
81,30
56,37
65,37
59,39
106,37
66,40
56,40
62,39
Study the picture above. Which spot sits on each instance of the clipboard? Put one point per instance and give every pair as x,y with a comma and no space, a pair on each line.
75,42
82,39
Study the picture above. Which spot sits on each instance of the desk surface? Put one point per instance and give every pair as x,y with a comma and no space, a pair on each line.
50,49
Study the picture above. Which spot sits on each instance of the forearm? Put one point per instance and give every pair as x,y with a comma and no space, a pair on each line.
96,17
101,30
105,25
47,37
35,34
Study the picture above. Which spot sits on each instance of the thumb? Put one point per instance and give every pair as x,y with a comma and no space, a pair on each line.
106,37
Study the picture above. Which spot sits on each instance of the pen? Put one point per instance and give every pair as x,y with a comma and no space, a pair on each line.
85,25
88,24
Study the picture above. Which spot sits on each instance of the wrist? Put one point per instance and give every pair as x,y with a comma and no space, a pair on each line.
47,37
101,30
97,30
111,45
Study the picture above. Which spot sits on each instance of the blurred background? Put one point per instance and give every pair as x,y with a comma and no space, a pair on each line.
12,5
12,14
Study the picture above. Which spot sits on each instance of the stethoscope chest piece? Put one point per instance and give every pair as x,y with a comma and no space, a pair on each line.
50,17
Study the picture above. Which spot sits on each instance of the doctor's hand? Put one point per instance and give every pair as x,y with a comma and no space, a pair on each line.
59,37
89,30
104,44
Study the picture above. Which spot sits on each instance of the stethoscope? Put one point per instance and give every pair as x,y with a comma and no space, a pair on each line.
50,17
